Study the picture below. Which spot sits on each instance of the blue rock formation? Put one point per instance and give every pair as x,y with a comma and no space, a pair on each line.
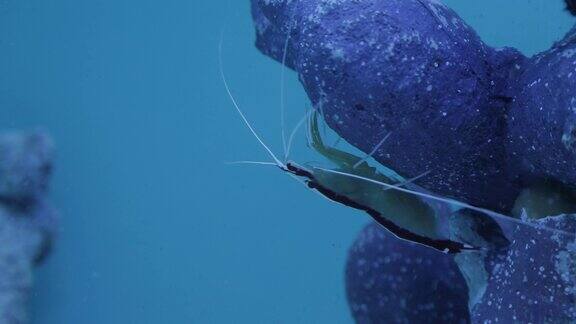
485,123
27,220
411,68
542,119
530,279
536,280
393,281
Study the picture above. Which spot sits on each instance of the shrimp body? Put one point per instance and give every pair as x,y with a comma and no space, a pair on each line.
403,209
405,215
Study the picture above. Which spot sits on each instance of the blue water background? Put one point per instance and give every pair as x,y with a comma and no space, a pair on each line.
156,228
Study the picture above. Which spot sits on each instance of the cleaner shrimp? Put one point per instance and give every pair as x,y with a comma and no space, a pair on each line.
397,204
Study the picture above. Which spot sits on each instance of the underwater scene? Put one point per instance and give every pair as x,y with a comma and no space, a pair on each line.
287,161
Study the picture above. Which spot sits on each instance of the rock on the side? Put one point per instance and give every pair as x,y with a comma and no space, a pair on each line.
27,220
389,280
536,281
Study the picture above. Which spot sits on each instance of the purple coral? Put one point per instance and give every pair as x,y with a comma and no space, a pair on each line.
394,281
536,280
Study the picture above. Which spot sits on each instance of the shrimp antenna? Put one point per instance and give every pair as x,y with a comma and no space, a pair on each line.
307,133
252,130
293,134
282,84
376,148
444,200
409,181
251,163
337,141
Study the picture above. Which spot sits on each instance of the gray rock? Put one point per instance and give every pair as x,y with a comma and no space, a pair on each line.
27,220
